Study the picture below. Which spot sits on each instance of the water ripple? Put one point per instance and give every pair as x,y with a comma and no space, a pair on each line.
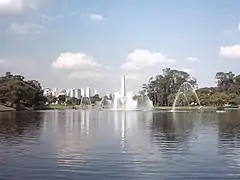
119,145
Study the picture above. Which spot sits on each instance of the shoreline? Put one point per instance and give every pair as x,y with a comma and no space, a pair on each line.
67,107
6,109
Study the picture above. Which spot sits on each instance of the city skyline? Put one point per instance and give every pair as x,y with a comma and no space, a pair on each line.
62,43
70,92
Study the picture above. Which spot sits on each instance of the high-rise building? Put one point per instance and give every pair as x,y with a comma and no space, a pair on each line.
55,92
72,92
68,92
78,93
83,92
88,92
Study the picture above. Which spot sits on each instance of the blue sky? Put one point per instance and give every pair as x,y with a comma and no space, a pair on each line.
91,43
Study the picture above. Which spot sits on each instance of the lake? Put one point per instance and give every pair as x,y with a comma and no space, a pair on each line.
89,145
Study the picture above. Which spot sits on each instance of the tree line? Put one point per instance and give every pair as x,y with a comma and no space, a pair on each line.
163,88
66,100
19,93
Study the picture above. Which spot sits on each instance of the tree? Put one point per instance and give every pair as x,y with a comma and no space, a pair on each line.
219,99
95,98
160,87
228,82
18,93
61,99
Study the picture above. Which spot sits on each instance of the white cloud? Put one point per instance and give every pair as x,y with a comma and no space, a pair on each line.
230,52
25,28
239,26
96,17
141,59
75,61
81,66
16,6
192,59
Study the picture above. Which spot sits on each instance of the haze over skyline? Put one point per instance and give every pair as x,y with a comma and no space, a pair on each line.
92,43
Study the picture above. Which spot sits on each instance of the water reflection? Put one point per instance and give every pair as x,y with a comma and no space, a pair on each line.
174,130
229,137
74,144
16,126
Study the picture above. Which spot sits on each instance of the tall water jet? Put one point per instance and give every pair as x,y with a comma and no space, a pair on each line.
124,100
186,86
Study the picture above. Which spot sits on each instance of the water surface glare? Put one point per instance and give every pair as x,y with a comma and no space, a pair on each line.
99,145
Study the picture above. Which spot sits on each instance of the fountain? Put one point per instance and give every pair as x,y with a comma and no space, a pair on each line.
124,100
145,103
186,86
86,102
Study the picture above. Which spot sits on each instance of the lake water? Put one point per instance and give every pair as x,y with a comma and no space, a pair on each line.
100,145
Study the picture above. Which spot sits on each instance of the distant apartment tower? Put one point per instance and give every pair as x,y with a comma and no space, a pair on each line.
88,92
55,92
72,92
78,93
83,92
68,92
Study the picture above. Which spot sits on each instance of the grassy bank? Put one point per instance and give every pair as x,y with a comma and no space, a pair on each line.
59,107
186,108
181,107
63,107
4,108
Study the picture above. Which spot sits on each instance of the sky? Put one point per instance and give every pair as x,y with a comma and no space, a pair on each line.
79,43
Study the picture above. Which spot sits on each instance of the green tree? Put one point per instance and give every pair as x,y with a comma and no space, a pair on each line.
18,93
61,99
160,87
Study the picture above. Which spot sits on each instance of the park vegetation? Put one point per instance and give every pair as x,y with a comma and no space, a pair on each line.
70,101
163,88
18,93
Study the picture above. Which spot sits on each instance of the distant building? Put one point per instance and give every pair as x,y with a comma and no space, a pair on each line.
47,92
73,92
78,93
88,92
68,92
55,92
83,92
